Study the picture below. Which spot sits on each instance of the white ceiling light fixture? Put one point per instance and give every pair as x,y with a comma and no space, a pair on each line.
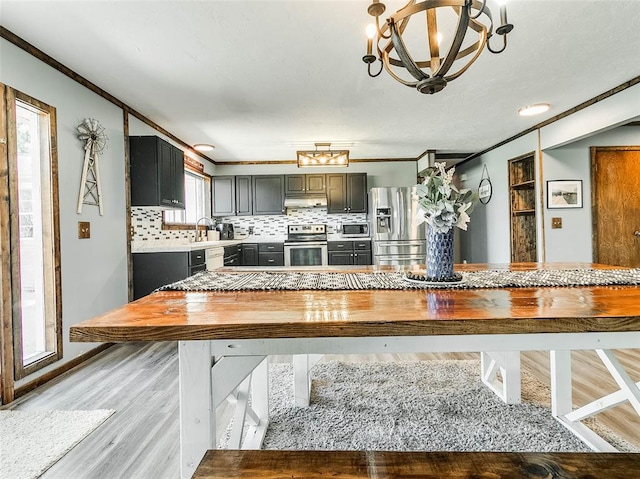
534,109
203,147
325,157
473,22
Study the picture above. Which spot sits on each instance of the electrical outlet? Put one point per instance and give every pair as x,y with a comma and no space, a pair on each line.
84,230
556,223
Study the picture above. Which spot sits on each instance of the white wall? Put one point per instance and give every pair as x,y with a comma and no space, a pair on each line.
573,162
487,239
94,271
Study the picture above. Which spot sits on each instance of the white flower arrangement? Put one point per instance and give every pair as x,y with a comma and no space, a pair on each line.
441,204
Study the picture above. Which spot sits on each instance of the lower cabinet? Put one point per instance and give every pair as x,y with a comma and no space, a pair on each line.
231,255
153,270
349,252
270,254
248,253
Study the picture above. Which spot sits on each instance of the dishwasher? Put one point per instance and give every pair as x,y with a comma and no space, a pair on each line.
214,258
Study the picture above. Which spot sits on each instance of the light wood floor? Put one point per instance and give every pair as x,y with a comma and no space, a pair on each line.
140,381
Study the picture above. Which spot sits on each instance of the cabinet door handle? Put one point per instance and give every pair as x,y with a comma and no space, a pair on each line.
345,209
270,260
340,246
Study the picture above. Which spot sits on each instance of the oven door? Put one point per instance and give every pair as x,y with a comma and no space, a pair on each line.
306,254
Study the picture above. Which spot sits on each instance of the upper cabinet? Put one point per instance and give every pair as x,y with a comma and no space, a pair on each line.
157,172
232,195
346,193
268,194
265,194
522,186
305,184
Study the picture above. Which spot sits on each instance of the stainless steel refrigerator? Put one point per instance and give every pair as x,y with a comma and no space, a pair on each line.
397,238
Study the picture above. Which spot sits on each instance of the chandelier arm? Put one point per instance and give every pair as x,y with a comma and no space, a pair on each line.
456,44
405,58
480,10
385,62
504,45
379,71
382,30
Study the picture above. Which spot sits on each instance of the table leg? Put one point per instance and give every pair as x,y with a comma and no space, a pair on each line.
259,406
562,402
197,420
302,364
561,390
508,362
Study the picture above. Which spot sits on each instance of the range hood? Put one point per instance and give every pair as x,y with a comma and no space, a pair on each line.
305,201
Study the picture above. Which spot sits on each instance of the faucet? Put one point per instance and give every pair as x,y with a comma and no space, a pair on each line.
198,222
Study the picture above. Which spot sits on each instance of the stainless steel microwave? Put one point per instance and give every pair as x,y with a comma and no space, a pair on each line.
355,230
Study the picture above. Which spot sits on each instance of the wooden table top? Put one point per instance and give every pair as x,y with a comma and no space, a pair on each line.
179,315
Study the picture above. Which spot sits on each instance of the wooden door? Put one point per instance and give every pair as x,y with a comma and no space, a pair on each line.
615,195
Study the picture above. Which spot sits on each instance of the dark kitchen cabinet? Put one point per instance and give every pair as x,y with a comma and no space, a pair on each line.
224,195
232,195
152,270
157,172
268,194
349,252
244,195
305,184
346,193
271,254
248,254
231,255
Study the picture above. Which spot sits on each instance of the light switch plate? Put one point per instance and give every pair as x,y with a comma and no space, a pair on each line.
84,230
556,223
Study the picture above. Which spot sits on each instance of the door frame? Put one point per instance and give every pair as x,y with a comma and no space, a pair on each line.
594,150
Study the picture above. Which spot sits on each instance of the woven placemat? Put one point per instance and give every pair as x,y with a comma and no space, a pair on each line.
279,280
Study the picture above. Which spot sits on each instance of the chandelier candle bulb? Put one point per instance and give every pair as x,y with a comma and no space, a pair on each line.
371,32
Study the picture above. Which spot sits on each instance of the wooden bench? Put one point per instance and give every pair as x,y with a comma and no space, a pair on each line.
226,464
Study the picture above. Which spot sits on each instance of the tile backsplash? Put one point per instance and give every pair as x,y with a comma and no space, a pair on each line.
147,223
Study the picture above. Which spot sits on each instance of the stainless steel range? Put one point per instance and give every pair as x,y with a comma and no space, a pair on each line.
306,245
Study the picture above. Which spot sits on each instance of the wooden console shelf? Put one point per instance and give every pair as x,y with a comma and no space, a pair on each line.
522,194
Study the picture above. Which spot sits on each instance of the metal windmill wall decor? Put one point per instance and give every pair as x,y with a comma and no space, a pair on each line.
92,133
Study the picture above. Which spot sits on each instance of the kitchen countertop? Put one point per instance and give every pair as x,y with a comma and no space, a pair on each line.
168,246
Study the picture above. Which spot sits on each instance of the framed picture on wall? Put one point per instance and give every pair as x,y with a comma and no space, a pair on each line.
564,194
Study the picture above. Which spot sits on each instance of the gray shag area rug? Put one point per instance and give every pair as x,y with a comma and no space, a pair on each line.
413,406
32,441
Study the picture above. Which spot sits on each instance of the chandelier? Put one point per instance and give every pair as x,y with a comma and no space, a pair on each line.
326,157
448,58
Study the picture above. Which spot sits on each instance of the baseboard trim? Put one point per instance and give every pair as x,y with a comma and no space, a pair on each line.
54,373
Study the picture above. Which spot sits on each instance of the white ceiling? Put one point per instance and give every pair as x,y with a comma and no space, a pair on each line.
261,79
